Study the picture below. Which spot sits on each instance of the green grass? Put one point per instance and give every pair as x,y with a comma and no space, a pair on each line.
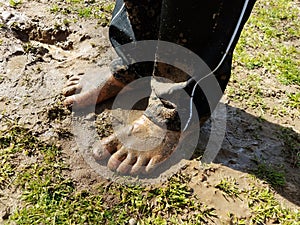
50,196
291,141
15,3
99,10
270,174
266,58
228,187
294,100
267,37
261,201
265,208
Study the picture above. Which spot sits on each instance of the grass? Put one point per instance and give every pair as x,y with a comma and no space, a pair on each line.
270,174
275,24
228,187
261,201
291,142
50,196
99,10
15,3
267,57
294,100
265,208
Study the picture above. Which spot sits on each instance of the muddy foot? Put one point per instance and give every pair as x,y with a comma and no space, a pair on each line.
90,88
138,148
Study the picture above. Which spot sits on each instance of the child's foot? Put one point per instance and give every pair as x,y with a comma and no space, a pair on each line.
93,87
138,148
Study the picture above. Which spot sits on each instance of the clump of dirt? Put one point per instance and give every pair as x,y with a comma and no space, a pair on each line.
104,125
27,29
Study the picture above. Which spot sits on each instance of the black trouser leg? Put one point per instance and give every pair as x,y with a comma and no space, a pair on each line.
134,20
204,27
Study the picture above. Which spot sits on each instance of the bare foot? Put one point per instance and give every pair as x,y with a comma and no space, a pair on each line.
138,148
91,88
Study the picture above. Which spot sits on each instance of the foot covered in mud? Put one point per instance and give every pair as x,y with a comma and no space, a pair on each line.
137,148
90,88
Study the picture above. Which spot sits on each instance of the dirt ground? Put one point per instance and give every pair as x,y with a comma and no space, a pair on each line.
39,51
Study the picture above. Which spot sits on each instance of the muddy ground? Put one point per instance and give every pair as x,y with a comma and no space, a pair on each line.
39,51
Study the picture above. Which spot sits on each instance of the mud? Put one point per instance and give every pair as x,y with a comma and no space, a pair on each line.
37,57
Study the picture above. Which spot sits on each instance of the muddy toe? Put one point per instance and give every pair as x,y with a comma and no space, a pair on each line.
139,166
71,89
126,165
116,159
153,163
105,147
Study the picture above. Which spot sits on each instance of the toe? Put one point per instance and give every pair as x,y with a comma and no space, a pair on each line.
139,166
70,90
69,100
71,83
116,159
153,163
105,147
126,165
74,78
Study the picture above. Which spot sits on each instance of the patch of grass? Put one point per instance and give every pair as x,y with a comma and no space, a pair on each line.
235,220
58,202
15,3
49,196
294,100
55,8
229,187
267,40
56,112
291,140
28,48
66,22
272,175
85,12
268,50
265,209
100,10
248,92
14,144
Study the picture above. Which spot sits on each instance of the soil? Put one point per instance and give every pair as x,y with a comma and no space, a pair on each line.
37,57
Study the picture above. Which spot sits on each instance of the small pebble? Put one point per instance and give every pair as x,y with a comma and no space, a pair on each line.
132,222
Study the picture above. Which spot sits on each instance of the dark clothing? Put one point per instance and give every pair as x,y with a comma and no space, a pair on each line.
204,27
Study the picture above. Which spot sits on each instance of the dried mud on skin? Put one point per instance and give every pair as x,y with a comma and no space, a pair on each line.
37,57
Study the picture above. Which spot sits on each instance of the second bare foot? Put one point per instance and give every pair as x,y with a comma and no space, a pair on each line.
91,88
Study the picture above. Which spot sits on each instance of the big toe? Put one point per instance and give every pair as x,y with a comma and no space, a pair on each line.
105,147
70,100
116,159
